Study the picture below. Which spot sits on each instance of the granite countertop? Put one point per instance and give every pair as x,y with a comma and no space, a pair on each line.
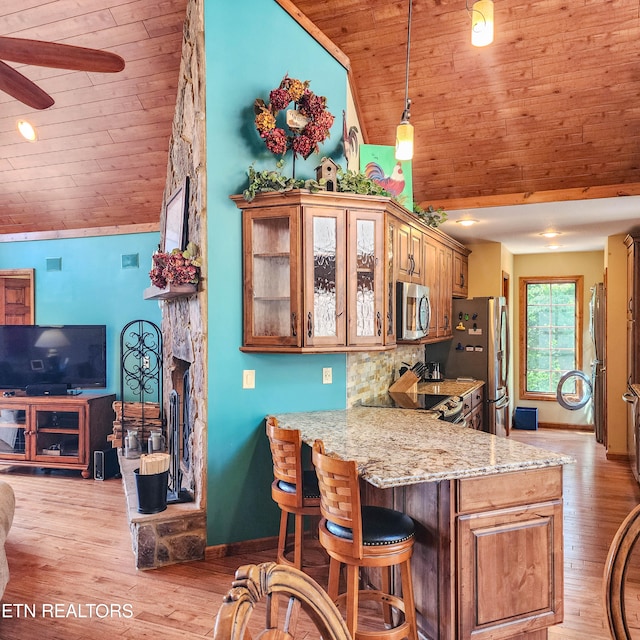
449,387
398,447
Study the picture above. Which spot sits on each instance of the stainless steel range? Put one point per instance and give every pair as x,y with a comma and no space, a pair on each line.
448,408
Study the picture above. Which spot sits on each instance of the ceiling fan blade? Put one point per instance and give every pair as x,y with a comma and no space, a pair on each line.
59,56
21,88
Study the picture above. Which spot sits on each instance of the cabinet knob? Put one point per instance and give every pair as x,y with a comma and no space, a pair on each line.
294,331
379,323
309,325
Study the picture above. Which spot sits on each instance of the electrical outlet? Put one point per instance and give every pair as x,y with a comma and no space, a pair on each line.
249,379
327,375
146,362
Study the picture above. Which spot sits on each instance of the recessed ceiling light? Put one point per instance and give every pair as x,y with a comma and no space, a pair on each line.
466,222
551,234
27,130
553,247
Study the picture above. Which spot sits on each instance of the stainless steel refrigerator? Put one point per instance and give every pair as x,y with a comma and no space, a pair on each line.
598,364
480,349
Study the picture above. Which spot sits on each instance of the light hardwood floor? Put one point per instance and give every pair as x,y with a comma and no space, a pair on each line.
70,546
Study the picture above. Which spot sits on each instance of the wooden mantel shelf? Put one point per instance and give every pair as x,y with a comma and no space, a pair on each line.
170,291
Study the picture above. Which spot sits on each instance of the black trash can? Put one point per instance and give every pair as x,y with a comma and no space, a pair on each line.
152,491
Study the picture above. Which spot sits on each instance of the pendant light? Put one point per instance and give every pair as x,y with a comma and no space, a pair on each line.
404,131
482,23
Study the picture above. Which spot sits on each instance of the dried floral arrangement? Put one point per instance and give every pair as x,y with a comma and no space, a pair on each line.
177,267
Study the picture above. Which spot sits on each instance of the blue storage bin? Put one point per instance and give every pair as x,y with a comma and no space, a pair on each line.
526,418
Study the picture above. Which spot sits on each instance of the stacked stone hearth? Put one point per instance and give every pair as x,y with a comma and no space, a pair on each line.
177,534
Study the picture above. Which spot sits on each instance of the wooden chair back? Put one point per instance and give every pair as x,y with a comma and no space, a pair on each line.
286,447
339,493
274,583
615,573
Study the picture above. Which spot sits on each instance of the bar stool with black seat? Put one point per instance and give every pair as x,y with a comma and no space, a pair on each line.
292,496
363,536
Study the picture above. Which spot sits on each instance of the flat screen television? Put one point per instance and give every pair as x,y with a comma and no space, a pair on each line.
73,355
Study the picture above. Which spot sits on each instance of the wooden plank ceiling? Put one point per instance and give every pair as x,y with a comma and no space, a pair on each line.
550,106
101,157
547,112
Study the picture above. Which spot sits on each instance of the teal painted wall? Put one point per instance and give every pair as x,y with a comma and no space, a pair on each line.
92,287
250,46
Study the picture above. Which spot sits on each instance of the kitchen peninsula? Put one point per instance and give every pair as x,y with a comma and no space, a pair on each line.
488,560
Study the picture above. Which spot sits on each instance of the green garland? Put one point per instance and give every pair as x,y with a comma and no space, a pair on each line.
347,182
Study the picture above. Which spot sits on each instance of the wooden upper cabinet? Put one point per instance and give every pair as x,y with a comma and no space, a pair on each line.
272,305
324,268
460,274
409,256
430,250
444,301
365,282
319,285
319,271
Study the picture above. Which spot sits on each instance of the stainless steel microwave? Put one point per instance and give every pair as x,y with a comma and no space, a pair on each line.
414,311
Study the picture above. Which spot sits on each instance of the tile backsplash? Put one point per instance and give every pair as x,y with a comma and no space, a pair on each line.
370,374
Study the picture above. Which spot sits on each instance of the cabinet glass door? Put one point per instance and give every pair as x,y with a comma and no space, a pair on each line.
272,303
325,244
12,433
390,293
57,434
366,267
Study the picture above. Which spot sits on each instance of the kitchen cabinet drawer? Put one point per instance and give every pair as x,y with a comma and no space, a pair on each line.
467,404
508,490
473,409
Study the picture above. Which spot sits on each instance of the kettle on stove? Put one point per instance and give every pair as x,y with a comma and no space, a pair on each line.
432,372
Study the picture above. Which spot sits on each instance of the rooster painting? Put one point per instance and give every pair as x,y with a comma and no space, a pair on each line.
394,183
349,139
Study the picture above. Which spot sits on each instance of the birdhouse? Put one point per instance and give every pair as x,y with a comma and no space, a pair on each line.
327,170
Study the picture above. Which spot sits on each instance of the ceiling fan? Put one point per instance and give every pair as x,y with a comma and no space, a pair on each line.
48,54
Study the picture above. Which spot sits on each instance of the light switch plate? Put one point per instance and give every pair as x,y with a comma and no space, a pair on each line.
249,379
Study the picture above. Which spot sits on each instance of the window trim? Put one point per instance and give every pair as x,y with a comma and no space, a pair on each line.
524,281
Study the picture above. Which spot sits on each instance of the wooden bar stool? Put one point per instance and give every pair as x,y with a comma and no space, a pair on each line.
366,536
300,498
615,574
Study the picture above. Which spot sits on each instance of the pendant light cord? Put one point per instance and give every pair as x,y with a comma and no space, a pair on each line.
405,115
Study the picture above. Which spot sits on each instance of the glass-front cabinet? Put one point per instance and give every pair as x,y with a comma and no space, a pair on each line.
314,271
13,442
272,293
325,284
57,433
42,433
366,278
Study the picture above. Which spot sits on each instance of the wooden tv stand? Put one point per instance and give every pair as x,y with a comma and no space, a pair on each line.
56,432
